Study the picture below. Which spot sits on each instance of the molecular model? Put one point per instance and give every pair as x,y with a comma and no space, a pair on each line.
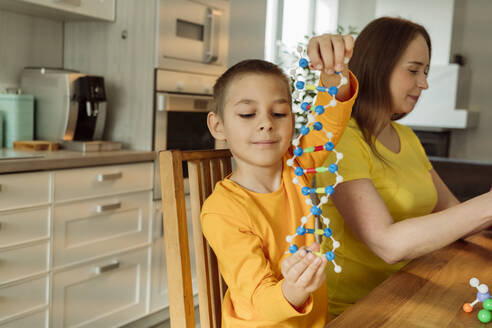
312,124
483,296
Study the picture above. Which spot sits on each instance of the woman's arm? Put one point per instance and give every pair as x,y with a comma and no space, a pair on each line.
366,214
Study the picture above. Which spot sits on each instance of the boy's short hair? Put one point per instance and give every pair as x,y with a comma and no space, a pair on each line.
249,66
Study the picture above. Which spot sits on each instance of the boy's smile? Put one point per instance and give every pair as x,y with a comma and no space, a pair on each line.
257,122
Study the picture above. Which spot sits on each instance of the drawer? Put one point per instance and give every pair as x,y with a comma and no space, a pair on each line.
37,320
102,180
104,293
21,262
24,189
22,226
23,298
85,230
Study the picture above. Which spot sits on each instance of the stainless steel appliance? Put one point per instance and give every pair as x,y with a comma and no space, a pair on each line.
181,117
193,35
68,106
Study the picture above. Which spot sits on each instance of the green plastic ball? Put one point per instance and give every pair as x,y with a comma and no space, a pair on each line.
487,304
484,316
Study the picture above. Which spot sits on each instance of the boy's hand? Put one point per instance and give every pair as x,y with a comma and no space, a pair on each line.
330,52
303,273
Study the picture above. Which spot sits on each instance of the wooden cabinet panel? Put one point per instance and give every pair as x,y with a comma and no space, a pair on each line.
23,226
104,293
24,189
20,298
22,262
102,180
88,229
38,320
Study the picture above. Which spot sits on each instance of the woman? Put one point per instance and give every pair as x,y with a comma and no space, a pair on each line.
392,206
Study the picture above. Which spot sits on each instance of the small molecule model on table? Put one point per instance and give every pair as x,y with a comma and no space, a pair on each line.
311,126
483,296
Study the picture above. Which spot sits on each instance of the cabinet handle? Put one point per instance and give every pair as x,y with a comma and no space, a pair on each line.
212,31
108,207
0,187
109,176
107,267
0,225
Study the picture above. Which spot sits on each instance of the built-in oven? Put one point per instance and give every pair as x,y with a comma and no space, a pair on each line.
193,35
182,103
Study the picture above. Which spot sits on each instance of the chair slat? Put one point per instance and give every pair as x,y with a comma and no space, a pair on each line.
176,240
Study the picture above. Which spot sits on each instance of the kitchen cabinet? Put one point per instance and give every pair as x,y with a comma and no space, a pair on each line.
65,10
75,246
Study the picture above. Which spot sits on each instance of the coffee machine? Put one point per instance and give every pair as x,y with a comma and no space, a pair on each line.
69,107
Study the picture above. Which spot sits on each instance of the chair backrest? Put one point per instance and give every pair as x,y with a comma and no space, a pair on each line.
205,169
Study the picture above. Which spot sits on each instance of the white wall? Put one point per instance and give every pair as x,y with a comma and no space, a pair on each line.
27,41
247,30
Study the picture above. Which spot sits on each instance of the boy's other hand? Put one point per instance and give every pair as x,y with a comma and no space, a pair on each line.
303,273
330,52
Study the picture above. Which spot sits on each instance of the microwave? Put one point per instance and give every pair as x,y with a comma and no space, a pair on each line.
193,36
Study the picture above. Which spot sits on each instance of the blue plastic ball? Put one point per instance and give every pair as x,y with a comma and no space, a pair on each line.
304,106
303,62
299,171
330,256
327,232
316,211
317,126
333,168
333,91
306,191
304,130
301,230
329,190
329,146
319,109
483,296
293,248
300,85
298,151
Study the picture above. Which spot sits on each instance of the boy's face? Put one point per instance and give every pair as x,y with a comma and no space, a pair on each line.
257,122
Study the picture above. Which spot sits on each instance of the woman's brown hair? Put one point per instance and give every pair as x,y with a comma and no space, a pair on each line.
377,50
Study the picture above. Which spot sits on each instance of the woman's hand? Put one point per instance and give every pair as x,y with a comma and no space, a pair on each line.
330,52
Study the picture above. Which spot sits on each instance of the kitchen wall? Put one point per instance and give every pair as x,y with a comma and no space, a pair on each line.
470,37
27,41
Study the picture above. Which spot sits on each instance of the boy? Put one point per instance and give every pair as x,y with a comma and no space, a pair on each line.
250,213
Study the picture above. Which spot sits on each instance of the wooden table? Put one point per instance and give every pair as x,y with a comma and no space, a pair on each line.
429,291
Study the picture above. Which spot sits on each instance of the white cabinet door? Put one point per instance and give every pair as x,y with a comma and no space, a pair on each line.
93,228
22,262
64,9
37,320
104,293
24,189
18,299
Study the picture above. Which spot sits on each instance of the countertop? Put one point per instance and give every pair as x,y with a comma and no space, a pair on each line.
24,161
428,292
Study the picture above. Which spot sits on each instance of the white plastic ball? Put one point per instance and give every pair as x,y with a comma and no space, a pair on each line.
293,71
339,179
304,220
339,156
289,239
343,80
295,180
326,221
311,118
338,269
333,103
329,135
290,162
295,142
336,244
483,288
324,200
474,282
308,201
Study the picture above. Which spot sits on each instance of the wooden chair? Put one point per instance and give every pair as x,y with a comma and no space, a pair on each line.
205,169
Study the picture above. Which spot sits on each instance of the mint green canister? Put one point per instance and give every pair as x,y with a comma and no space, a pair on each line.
18,118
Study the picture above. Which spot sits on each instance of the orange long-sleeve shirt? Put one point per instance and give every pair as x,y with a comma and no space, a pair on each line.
247,232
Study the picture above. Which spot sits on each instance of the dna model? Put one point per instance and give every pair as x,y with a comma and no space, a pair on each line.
311,126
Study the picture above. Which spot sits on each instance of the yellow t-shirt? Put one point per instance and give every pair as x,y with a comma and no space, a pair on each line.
248,230
406,188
